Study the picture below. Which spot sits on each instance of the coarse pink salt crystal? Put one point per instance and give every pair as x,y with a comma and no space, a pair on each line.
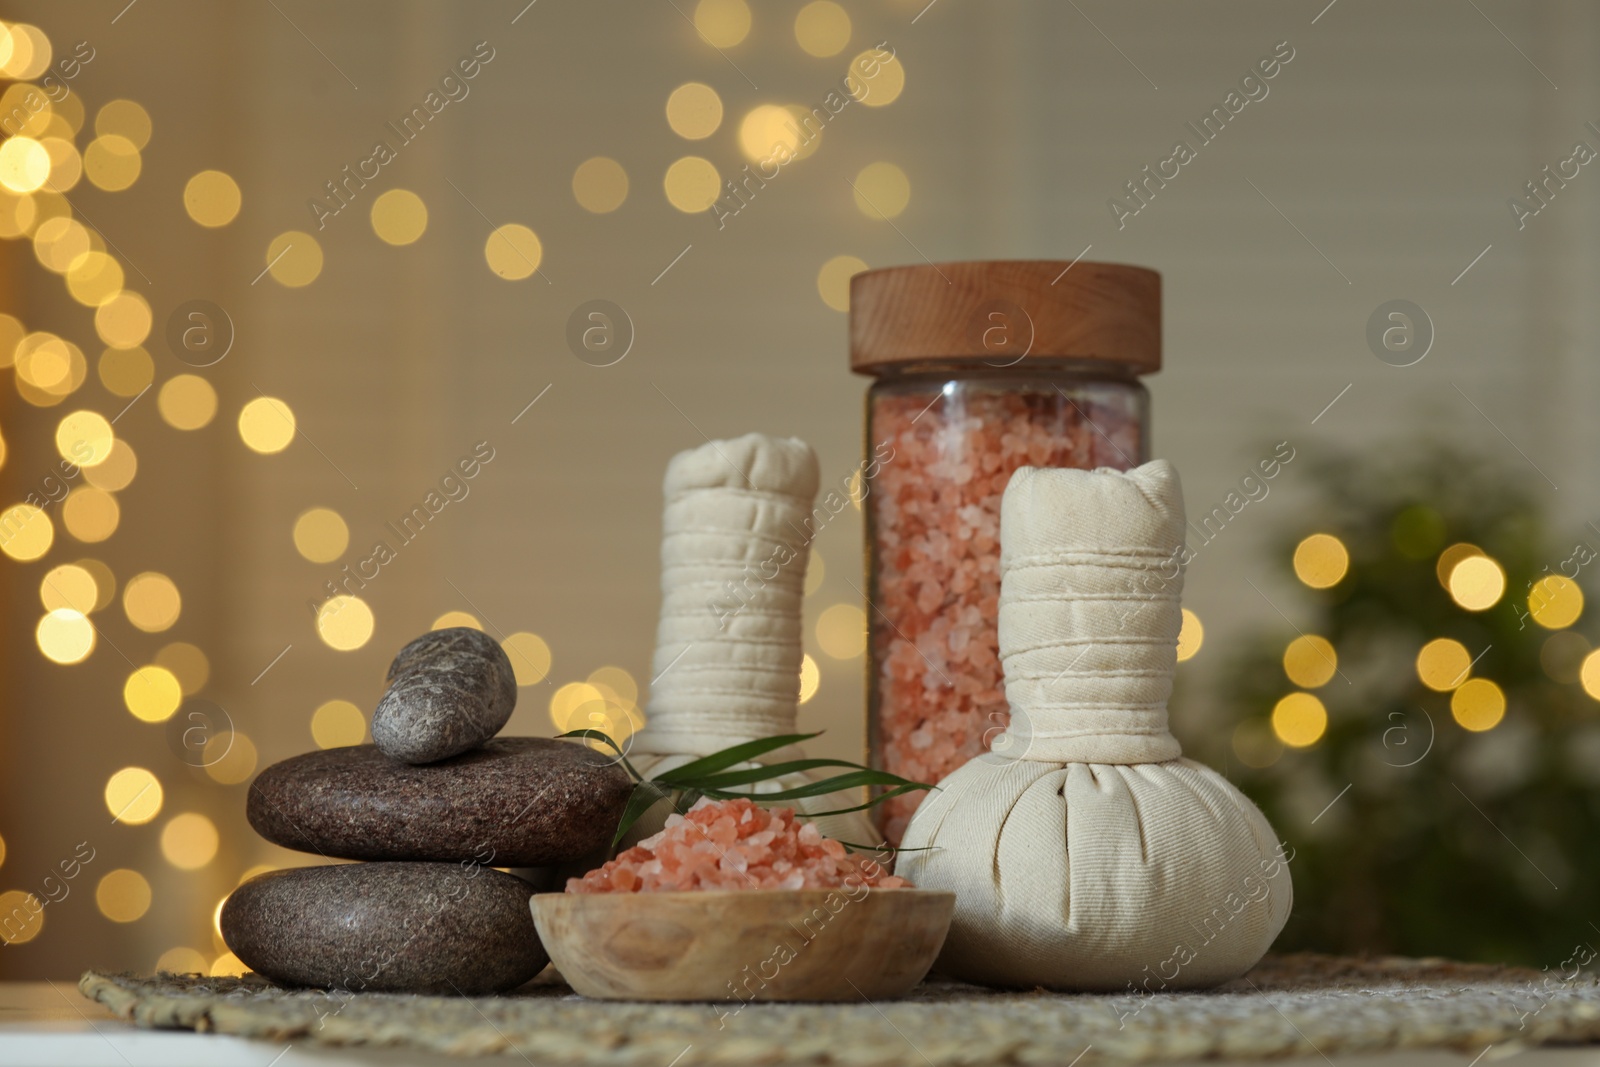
735,844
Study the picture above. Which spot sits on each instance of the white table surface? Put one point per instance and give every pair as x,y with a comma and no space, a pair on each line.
50,1024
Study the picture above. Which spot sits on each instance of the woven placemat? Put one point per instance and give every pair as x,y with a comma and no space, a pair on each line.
1288,1005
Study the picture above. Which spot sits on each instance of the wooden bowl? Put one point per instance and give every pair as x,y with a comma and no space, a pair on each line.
744,945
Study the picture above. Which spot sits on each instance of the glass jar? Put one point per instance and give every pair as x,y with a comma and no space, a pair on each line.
981,368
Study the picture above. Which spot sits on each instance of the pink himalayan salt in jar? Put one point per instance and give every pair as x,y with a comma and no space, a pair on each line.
981,368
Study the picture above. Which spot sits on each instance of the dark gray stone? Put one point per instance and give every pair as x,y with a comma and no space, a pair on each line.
449,691
387,928
515,802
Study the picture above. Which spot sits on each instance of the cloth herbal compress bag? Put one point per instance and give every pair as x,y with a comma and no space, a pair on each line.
734,547
1084,852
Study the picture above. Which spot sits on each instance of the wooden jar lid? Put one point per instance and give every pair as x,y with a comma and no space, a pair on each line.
999,311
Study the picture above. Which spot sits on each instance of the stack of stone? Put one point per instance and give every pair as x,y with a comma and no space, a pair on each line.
433,807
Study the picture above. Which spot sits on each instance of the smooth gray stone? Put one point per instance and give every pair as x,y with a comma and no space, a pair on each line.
515,802
449,691
387,928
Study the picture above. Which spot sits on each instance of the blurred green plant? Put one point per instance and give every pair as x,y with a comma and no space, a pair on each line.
1423,822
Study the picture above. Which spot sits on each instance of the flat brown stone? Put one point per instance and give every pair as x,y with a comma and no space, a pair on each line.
515,802
387,928
449,690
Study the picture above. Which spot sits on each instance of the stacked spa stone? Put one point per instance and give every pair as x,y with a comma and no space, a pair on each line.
433,807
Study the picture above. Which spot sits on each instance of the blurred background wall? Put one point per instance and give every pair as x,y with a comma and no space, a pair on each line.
1377,167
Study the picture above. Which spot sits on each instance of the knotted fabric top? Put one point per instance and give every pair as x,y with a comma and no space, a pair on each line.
1091,573
734,547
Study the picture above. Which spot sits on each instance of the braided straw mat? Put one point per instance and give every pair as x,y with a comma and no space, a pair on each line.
1288,1005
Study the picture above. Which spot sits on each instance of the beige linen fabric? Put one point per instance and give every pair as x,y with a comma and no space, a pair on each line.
1084,852
734,548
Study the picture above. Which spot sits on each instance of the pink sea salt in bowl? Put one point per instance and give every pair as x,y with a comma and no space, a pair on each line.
736,903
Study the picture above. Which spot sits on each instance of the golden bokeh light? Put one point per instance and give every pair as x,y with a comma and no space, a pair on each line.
833,280
19,214
123,895
456,618
2,852
133,796
876,78
228,965
70,586
187,402
152,694
529,656
320,535
1321,561
694,111
692,184
294,259
48,368
399,217
1477,583
1478,705
881,191
65,636
810,678
123,321
1450,557
24,165
615,683
182,959
1255,743
59,241
344,622
26,532
127,372
842,631
229,758
338,724
28,52
1589,674
84,438
104,581
770,133
571,705
1555,602
600,185
25,917
1310,661
189,841
1443,664
1299,720
513,251
822,29
1191,635
212,198
723,23
186,663
66,165
94,278
124,118
151,602
112,162
116,472
267,425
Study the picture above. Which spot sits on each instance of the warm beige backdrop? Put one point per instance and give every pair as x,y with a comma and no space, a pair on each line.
1378,167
